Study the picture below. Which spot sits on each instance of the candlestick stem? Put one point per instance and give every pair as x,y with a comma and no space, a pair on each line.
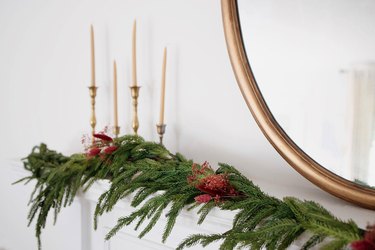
134,90
92,91
160,128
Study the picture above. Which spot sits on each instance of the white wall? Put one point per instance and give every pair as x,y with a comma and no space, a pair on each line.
45,71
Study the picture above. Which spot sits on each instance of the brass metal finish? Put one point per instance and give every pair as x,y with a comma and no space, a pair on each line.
160,128
134,90
92,90
298,159
116,130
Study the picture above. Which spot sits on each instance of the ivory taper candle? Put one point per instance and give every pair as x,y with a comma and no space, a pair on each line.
92,56
115,93
162,92
134,54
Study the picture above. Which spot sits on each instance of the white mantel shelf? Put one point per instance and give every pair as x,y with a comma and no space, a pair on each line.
217,221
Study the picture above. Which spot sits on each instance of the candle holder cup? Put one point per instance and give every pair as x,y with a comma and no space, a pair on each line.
160,128
116,130
134,90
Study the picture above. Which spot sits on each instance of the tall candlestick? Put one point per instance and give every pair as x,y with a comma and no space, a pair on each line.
162,92
134,54
116,127
92,56
92,87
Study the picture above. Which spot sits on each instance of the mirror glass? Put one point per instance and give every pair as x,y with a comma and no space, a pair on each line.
314,62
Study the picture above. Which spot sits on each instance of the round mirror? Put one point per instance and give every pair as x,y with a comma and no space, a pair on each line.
307,71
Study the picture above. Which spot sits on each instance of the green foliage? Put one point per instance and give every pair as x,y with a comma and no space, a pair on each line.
57,178
313,241
158,181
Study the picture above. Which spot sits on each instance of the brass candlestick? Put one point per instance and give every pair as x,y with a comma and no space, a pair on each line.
160,128
92,90
134,90
116,130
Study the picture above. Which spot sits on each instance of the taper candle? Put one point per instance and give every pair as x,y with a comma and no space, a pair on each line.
92,56
162,92
134,54
115,93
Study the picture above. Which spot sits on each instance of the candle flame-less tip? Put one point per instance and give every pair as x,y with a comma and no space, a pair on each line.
134,25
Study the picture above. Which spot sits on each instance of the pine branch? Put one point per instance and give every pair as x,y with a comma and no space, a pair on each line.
180,201
313,241
158,180
195,239
204,211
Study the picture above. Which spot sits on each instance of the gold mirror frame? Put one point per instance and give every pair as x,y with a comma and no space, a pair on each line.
298,159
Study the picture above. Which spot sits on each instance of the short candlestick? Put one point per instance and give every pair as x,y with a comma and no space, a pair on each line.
160,128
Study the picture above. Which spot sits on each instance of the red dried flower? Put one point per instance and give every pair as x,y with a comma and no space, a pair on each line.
214,185
93,152
110,149
362,245
368,242
203,198
199,173
103,137
217,198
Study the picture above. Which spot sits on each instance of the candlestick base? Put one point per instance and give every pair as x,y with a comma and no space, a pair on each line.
160,128
92,91
134,91
116,130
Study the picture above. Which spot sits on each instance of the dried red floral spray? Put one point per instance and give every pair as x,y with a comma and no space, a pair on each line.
368,241
101,145
215,186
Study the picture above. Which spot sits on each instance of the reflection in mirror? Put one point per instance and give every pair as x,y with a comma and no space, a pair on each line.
314,62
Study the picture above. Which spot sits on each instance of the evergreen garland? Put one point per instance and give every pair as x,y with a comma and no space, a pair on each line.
161,181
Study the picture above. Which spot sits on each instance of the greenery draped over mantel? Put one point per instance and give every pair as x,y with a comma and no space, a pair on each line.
163,184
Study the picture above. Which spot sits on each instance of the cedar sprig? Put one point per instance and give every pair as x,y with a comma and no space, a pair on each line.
57,182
